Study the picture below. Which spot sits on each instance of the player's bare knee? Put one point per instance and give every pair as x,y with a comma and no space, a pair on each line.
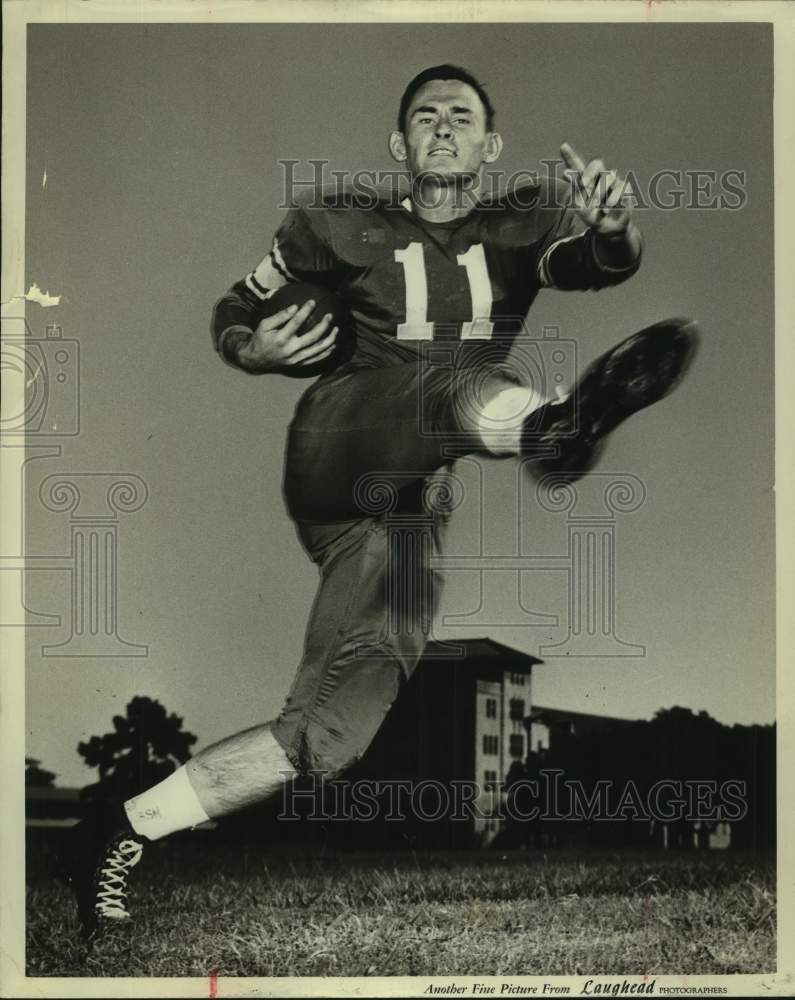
500,420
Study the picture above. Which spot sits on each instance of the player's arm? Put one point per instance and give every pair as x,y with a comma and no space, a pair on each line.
595,243
278,342
273,344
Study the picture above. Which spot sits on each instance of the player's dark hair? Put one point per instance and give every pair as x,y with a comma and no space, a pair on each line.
444,72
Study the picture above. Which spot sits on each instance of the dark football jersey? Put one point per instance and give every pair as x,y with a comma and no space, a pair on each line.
410,283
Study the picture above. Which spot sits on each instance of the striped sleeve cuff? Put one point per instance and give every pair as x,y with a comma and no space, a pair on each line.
254,286
271,273
543,272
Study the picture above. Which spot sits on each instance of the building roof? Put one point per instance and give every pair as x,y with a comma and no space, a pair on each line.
584,722
565,713
482,647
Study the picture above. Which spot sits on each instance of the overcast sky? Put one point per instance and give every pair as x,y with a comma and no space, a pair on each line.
161,145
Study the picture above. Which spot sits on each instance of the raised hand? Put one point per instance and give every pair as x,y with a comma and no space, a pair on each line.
600,195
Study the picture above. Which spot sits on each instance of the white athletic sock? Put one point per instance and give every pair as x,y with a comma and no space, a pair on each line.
170,806
501,419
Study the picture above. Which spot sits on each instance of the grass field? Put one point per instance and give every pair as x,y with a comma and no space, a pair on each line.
247,912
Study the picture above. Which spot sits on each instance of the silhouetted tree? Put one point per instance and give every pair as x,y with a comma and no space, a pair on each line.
146,745
35,776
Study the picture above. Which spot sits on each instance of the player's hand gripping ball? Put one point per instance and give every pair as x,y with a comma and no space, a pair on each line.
316,337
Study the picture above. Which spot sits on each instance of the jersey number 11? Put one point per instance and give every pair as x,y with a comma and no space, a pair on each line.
417,326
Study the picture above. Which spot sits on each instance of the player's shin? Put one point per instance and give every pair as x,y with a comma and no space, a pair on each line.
239,771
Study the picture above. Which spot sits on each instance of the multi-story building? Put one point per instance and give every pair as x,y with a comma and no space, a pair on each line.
460,719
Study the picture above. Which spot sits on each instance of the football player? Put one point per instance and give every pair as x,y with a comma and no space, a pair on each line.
437,285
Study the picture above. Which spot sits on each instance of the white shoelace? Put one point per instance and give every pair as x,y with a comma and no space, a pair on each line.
113,879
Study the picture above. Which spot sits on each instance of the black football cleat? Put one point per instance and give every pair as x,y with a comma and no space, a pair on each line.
567,437
104,850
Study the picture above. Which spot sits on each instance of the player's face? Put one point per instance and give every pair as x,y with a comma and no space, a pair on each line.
445,132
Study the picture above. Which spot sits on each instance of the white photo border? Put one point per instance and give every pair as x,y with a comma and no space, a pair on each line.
17,15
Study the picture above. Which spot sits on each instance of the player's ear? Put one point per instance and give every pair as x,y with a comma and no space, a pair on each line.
493,147
397,147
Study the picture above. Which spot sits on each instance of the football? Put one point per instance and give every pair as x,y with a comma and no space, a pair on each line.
326,301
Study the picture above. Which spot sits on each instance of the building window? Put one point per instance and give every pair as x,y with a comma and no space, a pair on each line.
489,780
491,744
516,745
517,678
517,708
491,708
